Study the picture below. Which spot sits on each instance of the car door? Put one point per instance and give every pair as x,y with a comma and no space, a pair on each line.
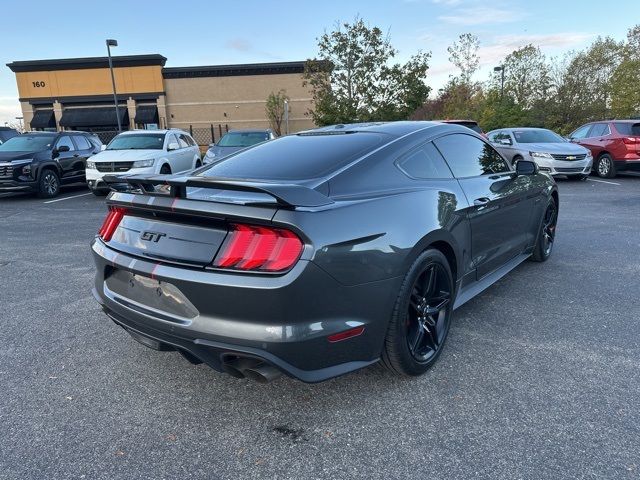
596,138
579,135
67,160
84,150
173,156
500,204
186,152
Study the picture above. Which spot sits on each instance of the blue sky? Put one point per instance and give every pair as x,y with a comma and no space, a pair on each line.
192,32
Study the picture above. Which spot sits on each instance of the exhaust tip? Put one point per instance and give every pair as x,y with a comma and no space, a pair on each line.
262,373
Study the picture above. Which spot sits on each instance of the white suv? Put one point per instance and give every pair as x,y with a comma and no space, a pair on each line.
143,152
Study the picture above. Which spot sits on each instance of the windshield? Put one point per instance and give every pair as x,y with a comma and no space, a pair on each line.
242,139
28,143
628,128
537,136
152,141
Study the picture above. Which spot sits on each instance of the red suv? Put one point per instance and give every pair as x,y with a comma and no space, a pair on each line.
614,144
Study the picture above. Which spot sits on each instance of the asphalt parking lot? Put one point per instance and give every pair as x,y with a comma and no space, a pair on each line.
540,377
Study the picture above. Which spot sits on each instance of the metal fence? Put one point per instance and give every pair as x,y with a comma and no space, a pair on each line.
206,135
202,135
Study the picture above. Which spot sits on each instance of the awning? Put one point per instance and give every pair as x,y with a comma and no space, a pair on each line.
146,114
43,119
93,117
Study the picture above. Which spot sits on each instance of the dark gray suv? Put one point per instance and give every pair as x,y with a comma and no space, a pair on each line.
323,252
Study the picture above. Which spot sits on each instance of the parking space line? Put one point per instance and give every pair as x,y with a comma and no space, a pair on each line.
67,198
602,181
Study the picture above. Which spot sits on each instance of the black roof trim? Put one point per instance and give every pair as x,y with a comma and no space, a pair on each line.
233,70
88,62
92,98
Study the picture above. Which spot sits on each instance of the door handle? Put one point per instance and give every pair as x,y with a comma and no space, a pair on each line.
481,202
76,155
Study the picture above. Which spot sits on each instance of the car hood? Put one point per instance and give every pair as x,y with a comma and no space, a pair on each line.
9,156
125,155
567,148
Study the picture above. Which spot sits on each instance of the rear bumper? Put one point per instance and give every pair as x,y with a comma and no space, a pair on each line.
284,320
632,165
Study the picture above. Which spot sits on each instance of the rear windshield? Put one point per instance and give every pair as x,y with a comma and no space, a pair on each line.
242,139
537,136
628,128
297,157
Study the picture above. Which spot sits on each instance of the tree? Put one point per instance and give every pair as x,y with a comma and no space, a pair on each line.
526,76
275,110
352,78
464,55
625,82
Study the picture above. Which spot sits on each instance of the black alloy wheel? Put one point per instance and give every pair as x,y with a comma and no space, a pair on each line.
422,316
49,185
547,234
427,318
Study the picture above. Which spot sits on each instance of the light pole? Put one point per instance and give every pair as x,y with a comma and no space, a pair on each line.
113,43
286,117
20,122
501,70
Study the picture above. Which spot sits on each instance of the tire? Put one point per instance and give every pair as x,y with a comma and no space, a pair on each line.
546,234
49,184
516,159
165,170
427,287
605,167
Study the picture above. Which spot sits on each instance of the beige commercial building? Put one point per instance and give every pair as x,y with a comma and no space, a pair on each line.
77,94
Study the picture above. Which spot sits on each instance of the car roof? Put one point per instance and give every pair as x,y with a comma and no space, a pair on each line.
250,130
396,129
457,120
142,131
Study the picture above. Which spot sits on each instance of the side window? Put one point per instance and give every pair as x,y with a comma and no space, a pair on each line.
469,156
190,141
66,141
598,130
182,140
580,133
424,162
607,130
83,143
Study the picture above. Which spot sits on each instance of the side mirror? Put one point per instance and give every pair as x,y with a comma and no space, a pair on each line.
505,141
103,148
211,145
526,167
173,146
62,148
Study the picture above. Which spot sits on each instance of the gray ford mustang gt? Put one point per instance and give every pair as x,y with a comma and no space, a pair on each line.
320,253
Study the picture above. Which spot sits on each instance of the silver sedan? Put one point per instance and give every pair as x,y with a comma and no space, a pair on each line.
553,154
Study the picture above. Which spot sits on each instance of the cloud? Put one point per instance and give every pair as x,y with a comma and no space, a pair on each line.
503,45
9,110
239,44
481,16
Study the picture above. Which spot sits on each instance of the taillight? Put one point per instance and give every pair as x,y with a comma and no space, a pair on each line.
265,249
111,222
631,140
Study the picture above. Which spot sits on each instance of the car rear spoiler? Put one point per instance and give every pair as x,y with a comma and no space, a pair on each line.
285,194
